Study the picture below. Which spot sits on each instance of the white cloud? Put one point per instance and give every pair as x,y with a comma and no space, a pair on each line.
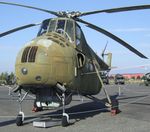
132,30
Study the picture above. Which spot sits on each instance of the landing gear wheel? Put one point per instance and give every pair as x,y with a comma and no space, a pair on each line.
19,120
64,121
115,107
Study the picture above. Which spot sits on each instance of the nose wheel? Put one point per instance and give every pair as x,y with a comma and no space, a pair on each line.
20,119
65,120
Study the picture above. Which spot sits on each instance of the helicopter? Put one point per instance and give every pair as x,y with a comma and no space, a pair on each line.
59,63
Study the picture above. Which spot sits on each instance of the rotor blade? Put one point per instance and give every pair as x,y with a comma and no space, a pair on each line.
113,10
17,29
35,8
112,36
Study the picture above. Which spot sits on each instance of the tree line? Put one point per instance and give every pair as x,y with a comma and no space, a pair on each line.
7,78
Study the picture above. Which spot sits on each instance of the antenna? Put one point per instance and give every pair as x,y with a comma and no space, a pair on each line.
103,52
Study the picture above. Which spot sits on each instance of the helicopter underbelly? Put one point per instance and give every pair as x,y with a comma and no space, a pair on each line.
90,85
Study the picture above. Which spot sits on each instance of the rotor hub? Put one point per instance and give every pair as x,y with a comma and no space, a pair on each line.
72,14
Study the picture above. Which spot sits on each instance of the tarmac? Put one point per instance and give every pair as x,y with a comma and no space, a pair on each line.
85,115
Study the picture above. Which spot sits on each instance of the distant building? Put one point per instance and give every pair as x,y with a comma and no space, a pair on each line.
132,75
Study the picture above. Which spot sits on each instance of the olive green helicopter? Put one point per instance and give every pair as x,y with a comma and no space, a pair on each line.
59,63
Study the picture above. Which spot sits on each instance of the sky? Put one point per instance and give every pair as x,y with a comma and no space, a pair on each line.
133,27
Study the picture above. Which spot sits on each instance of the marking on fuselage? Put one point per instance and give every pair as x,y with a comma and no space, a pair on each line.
46,43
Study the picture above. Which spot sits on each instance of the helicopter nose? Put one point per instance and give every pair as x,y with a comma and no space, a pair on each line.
33,67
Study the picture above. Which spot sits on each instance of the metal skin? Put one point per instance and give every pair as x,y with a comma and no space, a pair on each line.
53,63
58,60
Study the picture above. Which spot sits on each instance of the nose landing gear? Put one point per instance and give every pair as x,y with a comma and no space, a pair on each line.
65,116
20,116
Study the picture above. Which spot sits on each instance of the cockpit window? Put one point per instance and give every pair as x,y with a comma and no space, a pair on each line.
78,35
69,29
60,24
65,27
52,25
44,27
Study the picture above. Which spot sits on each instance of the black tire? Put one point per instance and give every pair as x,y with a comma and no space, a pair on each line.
64,121
115,105
107,83
146,84
19,121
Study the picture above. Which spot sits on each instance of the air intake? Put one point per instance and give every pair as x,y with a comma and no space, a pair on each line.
29,54
32,54
25,54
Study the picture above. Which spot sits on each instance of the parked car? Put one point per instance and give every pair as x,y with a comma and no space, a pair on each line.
146,79
119,79
105,78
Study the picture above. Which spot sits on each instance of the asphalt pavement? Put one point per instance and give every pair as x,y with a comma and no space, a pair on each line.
85,115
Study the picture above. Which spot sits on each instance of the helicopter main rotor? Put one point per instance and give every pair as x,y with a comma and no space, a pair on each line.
75,16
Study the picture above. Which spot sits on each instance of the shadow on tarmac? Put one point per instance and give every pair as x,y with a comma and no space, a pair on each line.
77,112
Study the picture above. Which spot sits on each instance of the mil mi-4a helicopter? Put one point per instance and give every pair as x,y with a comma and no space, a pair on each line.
59,62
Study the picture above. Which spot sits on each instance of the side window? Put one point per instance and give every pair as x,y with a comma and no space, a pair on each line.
78,35
80,59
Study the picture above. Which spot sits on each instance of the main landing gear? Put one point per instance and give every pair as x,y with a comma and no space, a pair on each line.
112,104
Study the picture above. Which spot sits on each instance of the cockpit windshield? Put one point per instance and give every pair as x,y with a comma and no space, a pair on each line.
44,27
62,26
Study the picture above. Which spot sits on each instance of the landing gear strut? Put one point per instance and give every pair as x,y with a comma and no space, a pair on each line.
20,116
65,116
112,104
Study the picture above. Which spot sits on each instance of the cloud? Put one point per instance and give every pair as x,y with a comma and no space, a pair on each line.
132,30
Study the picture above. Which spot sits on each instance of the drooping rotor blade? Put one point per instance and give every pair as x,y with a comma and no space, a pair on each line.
17,29
112,36
113,10
35,8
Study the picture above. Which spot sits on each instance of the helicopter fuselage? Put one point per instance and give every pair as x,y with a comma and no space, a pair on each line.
55,57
